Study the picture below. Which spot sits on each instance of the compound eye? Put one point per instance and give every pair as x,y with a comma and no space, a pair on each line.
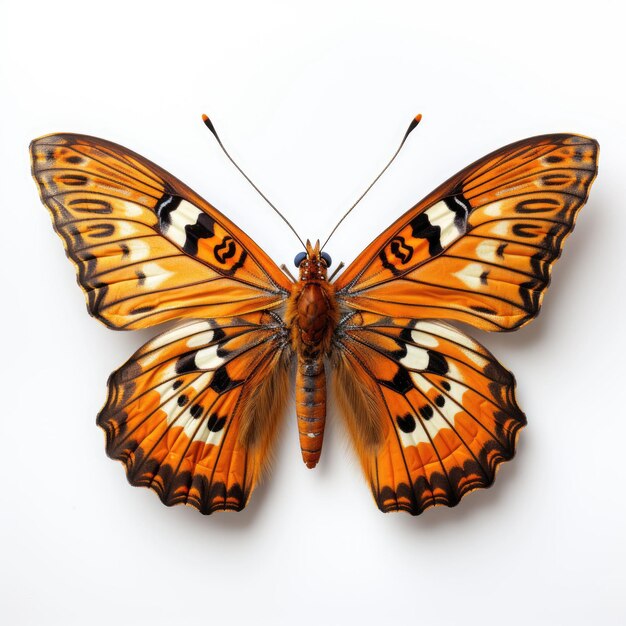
299,258
327,259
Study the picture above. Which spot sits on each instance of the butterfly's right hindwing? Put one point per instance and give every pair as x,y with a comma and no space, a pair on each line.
431,412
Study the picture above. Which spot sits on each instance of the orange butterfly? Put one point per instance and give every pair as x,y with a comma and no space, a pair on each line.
193,414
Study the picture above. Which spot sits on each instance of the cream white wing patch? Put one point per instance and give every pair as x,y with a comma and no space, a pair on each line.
436,381
433,410
194,380
449,217
473,275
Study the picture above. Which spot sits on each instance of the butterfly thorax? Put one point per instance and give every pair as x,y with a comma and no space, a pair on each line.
312,316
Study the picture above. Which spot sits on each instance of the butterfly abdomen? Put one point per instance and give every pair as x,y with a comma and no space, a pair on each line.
311,408
312,316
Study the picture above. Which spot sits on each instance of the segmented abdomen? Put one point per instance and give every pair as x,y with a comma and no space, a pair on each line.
311,408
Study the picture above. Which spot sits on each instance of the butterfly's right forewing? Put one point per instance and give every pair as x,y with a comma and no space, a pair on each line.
480,248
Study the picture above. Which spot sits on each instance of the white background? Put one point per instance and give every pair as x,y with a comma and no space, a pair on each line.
312,98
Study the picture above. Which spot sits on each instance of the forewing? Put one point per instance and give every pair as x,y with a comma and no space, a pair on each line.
480,248
174,411
446,410
146,247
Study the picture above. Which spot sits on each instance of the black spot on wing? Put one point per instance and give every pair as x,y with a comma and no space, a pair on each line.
401,382
423,229
524,230
73,180
218,335
187,363
232,270
90,206
532,205
437,363
406,334
203,229
406,423
483,309
142,309
401,250
225,250
387,265
221,381
100,231
215,423
426,411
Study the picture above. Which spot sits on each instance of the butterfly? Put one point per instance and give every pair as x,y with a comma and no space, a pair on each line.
193,414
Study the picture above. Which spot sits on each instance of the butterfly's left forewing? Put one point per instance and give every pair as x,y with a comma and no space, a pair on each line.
147,248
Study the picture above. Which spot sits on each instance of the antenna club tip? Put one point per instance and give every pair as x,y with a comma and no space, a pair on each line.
209,124
414,122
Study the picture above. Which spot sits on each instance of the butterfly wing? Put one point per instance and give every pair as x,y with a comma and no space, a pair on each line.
146,247
432,413
193,414
480,248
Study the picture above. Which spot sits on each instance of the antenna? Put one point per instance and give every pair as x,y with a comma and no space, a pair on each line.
209,125
414,122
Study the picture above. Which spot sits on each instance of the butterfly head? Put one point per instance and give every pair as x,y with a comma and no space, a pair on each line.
313,264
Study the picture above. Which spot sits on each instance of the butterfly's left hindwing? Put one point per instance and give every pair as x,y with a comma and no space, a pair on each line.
176,411
443,409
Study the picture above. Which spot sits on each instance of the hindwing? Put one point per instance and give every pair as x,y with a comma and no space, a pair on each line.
176,411
441,407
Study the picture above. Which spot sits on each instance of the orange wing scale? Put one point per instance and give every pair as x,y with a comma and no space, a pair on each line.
174,410
146,247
